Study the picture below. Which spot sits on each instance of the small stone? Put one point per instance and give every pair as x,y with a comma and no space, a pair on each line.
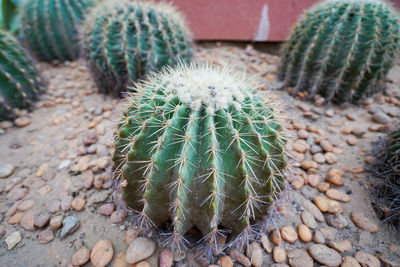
6,170
351,141
337,195
318,237
46,237
44,190
142,264
305,234
308,219
303,134
78,203
323,187
341,245
381,118
219,245
17,193
331,158
107,209
279,254
2,231
334,176
42,220
69,225
90,137
310,207
167,258
335,207
313,180
325,255
255,254
81,256
349,261
328,232
276,237
337,221
16,218
319,158
367,260
299,258
22,122
42,170
119,260
27,221
240,257
13,239
350,117
26,205
358,132
308,164
131,235
363,222
53,205
66,203
289,234
141,248
315,149
326,146
224,261
265,243
102,253
118,216
322,203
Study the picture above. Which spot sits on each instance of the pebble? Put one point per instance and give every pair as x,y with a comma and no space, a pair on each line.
322,203
313,180
331,158
308,219
141,248
381,118
78,203
325,255
358,132
12,210
53,206
366,259
102,253
27,221
363,222
81,256
240,257
167,258
315,149
349,261
26,205
334,176
337,221
13,239
319,237
305,234
107,209
341,245
308,164
351,141
310,207
42,170
142,264
265,243
22,122
56,222
44,190
17,193
42,220
328,232
66,203
118,216
299,258
90,137
16,218
119,260
2,231
279,254
319,158
289,234
46,237
323,187
6,170
337,195
255,254
131,235
326,146
276,237
69,225
224,261
303,134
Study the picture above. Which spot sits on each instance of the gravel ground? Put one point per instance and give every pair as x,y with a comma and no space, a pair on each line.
56,197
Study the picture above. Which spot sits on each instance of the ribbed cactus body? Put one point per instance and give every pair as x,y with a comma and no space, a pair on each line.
341,49
19,79
198,147
50,27
123,41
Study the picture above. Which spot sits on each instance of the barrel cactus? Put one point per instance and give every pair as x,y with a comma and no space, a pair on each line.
341,49
19,79
49,27
198,147
124,41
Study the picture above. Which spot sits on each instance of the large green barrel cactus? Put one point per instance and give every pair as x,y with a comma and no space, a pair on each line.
123,41
197,146
341,49
19,79
50,27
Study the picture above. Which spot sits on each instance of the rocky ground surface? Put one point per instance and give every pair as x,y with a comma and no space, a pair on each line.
56,204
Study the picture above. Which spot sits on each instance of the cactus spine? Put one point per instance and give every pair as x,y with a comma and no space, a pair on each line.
197,146
341,49
49,27
123,41
19,79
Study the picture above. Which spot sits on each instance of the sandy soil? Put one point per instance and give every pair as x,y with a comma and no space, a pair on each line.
53,162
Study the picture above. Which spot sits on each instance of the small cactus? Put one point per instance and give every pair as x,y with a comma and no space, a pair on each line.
49,27
19,79
197,146
124,41
341,49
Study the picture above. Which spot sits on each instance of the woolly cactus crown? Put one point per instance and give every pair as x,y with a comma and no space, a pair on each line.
197,146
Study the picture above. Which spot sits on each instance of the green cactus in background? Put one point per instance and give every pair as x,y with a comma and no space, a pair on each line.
197,146
124,41
49,27
341,49
19,79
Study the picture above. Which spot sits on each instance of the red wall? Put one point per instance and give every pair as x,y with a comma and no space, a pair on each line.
257,20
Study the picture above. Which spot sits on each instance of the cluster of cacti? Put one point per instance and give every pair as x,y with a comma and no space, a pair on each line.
386,167
50,27
341,49
124,41
197,146
19,80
